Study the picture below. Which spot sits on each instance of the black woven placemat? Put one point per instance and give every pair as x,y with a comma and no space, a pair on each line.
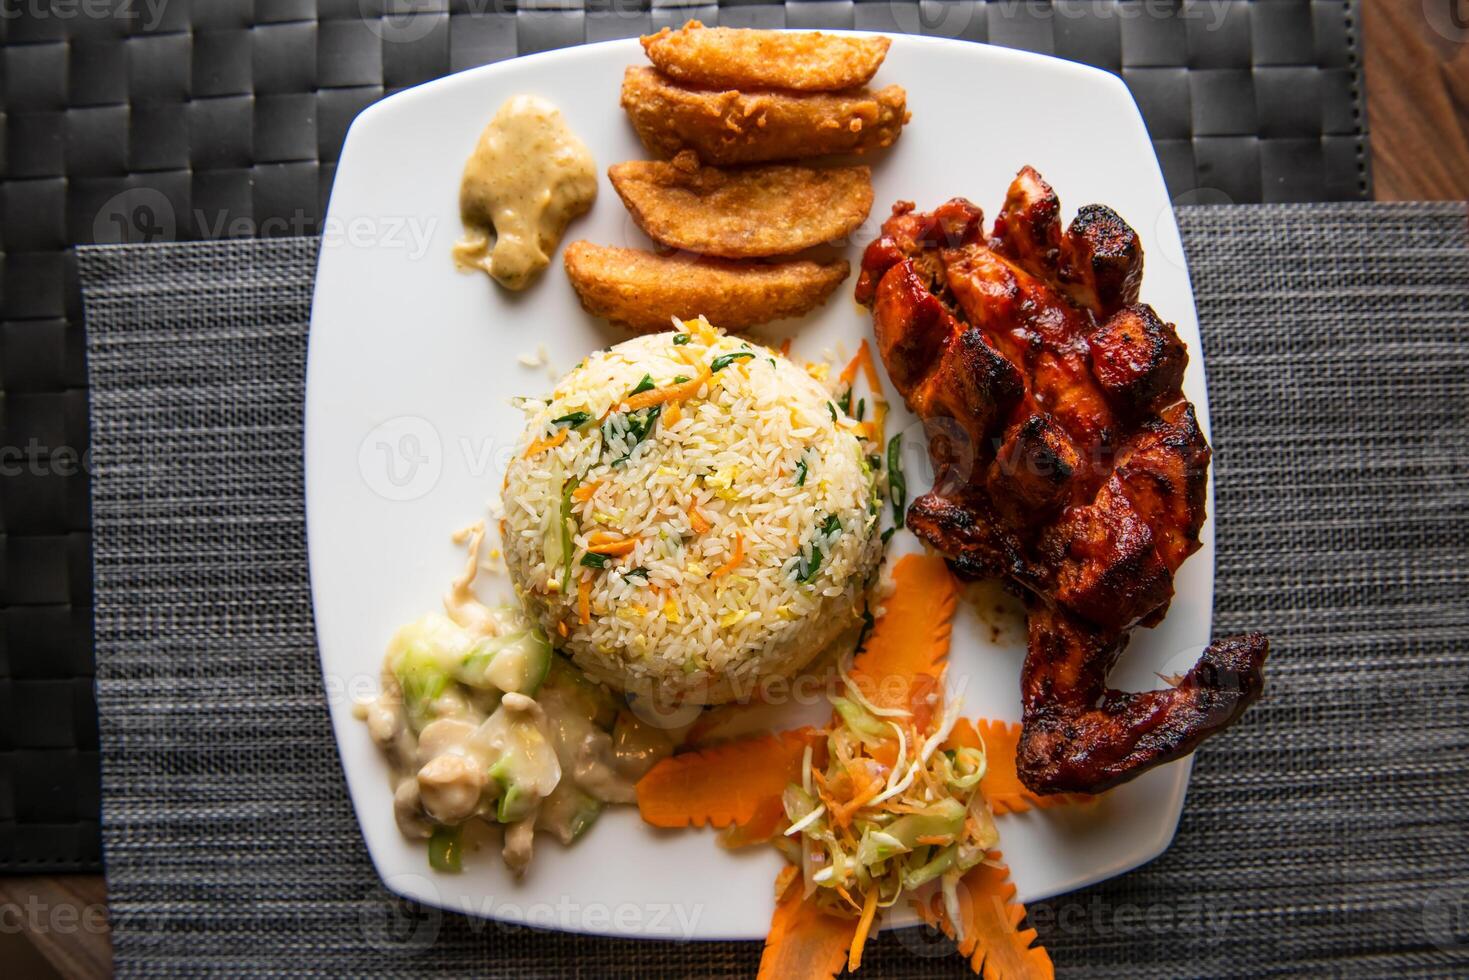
1323,836
161,120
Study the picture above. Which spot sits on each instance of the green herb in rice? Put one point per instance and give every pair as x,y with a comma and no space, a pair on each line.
897,483
725,360
574,419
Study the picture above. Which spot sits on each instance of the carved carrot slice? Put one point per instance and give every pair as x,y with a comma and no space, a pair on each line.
725,784
1001,784
902,663
996,946
804,942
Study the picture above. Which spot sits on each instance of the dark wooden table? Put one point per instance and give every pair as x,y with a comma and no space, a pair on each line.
1417,72
1417,67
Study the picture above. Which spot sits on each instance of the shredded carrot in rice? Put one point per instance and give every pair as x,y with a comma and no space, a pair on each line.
584,492
584,600
734,559
669,393
551,442
612,547
697,520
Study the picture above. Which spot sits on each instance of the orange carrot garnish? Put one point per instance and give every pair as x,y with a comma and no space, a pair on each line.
849,373
695,788
611,546
1001,784
783,879
584,491
737,556
584,600
996,946
864,925
842,813
804,942
697,521
824,791
869,369
863,360
551,442
902,662
885,752
669,393
759,829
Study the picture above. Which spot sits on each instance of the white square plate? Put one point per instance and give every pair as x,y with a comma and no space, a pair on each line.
408,429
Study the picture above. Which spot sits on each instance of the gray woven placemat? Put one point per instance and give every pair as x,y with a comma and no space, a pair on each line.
1325,835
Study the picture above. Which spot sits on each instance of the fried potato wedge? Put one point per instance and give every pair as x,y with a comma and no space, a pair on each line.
641,291
729,57
731,126
744,213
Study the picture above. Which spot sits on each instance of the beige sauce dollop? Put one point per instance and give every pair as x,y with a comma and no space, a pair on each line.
528,177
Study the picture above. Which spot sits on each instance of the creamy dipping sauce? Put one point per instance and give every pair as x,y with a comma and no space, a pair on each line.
528,177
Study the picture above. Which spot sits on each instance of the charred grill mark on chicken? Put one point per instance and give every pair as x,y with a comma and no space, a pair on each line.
1085,478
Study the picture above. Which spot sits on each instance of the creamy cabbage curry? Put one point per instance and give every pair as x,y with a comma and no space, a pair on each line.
482,721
